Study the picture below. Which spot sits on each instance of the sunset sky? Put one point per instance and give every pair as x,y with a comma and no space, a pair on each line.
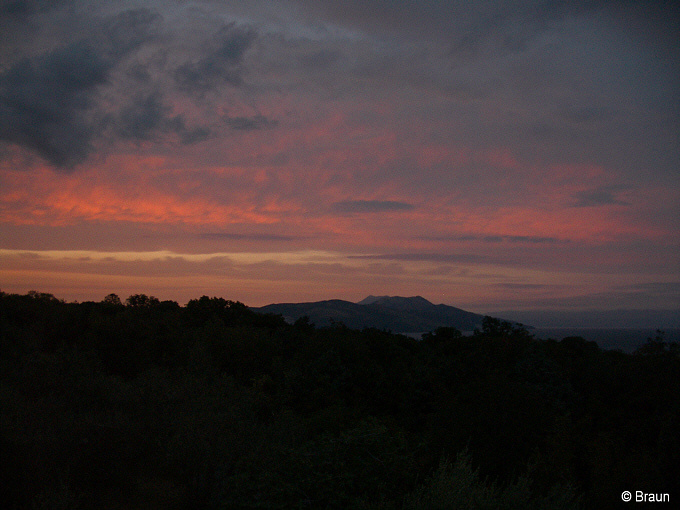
511,155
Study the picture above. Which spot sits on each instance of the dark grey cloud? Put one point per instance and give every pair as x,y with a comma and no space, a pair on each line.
250,123
43,102
45,99
24,8
531,239
370,206
515,55
468,29
660,288
52,103
585,114
466,23
494,238
190,136
646,297
320,60
126,31
143,117
147,117
598,197
221,61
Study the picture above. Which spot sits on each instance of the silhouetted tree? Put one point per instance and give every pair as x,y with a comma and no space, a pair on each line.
141,301
112,299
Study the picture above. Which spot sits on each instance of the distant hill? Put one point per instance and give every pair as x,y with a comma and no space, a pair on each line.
393,313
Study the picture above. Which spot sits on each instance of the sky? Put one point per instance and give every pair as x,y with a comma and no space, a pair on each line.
516,155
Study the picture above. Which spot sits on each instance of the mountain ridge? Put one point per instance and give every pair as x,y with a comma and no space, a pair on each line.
393,313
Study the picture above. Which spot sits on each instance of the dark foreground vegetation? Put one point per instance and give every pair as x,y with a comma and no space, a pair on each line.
147,404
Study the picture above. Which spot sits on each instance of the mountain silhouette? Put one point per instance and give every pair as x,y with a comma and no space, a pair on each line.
393,313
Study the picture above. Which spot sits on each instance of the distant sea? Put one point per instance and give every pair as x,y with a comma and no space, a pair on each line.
623,339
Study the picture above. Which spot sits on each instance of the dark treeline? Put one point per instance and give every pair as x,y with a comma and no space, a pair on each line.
149,404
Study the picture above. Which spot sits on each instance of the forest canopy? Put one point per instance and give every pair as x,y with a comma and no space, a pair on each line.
143,403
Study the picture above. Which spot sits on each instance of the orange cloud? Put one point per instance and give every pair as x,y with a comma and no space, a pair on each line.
43,197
